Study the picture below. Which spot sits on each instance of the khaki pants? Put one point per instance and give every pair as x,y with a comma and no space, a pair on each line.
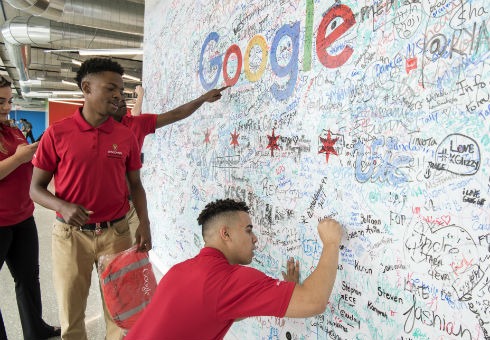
133,221
75,253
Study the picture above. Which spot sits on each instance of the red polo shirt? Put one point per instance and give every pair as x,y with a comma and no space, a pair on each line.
201,297
90,164
15,203
141,126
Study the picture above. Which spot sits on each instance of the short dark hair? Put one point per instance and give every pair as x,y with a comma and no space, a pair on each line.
4,82
220,206
96,65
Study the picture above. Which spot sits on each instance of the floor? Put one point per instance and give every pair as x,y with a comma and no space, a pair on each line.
94,319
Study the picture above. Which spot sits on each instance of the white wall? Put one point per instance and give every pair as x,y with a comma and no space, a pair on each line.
382,113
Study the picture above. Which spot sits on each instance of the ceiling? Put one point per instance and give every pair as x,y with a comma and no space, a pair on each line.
41,42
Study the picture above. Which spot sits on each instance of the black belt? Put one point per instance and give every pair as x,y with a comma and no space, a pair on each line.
94,226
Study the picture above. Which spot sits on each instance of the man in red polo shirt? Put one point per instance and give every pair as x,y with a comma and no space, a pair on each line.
143,124
90,157
213,289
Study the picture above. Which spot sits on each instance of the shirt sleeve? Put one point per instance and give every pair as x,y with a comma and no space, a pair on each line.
148,122
133,161
46,158
249,292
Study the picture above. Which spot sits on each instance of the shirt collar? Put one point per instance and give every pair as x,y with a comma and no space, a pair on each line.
106,127
208,251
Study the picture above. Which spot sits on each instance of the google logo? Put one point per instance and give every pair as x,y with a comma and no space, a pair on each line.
336,21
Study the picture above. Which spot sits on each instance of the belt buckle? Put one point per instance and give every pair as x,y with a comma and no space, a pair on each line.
98,229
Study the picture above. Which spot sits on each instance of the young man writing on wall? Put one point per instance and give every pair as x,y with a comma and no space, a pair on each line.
214,289
90,157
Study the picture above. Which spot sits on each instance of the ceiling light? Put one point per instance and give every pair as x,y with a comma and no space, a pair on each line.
55,51
30,82
127,76
51,94
112,51
61,93
66,100
69,82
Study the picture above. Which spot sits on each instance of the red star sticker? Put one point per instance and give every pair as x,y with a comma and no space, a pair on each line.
273,143
234,139
206,136
327,146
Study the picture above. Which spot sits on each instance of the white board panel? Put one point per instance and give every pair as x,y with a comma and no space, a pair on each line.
376,113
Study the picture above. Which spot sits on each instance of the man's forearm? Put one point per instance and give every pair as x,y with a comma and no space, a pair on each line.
321,281
136,109
138,196
45,198
179,113
311,297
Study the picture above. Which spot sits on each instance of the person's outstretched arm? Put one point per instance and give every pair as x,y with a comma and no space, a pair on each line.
136,110
189,108
311,297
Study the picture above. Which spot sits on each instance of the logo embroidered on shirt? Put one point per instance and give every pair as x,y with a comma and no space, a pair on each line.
114,153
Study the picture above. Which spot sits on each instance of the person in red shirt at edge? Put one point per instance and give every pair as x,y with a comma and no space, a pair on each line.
144,124
19,244
214,289
90,157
